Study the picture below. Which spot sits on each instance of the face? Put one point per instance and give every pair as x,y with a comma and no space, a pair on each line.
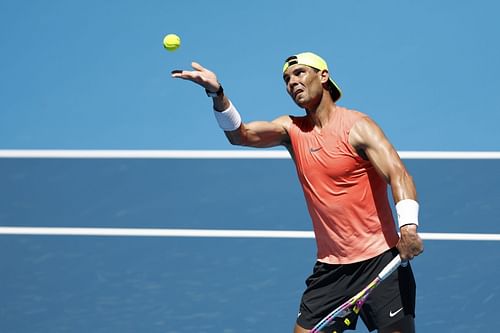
304,84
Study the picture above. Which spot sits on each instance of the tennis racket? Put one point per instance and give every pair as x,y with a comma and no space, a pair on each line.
355,303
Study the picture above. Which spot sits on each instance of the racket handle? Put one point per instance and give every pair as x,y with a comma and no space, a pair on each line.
391,267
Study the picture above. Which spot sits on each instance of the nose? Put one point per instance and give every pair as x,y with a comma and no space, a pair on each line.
292,82
293,79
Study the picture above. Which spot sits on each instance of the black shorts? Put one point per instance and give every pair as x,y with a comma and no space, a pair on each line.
331,285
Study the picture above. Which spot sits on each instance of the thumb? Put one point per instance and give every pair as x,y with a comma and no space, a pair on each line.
197,66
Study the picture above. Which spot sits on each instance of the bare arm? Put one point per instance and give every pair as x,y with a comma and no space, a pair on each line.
368,137
261,134
258,134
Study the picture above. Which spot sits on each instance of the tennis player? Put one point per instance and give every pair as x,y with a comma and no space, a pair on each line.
344,163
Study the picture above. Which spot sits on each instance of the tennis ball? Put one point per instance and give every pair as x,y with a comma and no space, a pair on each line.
171,42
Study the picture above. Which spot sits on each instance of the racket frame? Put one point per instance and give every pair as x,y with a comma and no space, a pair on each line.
355,303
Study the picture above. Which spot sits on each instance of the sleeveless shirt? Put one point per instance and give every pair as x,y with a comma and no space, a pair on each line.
346,197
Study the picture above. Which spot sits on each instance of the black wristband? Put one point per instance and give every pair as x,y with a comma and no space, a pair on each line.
219,92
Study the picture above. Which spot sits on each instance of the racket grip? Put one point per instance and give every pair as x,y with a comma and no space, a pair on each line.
391,267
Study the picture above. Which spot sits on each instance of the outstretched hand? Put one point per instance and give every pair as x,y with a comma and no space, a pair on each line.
200,75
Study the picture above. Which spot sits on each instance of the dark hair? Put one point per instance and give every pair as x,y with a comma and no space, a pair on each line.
334,92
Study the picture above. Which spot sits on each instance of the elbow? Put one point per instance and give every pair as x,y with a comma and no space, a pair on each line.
235,138
235,142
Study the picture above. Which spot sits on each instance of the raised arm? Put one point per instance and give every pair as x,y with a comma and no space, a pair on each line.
367,136
258,134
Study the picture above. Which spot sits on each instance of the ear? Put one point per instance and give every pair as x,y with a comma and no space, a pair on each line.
324,76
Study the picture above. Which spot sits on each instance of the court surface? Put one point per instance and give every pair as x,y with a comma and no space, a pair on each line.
217,283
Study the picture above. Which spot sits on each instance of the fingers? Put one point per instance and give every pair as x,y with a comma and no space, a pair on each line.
186,75
180,74
199,75
177,73
197,66
410,247
189,75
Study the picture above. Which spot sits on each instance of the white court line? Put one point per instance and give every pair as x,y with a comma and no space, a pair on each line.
222,154
149,154
209,233
150,232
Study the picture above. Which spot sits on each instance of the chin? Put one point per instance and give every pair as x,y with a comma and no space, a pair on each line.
300,105
301,102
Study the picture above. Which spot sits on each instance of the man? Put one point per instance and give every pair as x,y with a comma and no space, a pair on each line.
344,163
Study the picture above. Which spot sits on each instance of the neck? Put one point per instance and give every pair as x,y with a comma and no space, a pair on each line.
320,114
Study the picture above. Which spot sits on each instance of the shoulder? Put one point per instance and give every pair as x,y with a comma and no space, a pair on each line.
352,114
350,117
284,120
364,131
289,121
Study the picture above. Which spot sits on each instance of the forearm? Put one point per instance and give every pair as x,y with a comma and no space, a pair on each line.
228,118
407,209
405,198
220,103
258,134
403,186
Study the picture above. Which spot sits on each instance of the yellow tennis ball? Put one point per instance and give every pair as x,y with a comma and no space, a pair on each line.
171,42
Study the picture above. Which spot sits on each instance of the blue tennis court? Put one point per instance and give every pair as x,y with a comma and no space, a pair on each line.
64,283
145,242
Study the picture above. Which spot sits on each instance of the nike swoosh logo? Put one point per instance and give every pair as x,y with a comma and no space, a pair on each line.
312,150
392,314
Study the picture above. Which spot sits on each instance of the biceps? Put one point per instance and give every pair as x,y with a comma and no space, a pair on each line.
385,159
262,134
369,138
388,164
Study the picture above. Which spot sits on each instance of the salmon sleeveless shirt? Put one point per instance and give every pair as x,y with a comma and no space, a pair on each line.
346,197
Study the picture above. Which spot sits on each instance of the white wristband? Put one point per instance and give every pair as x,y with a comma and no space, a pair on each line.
229,119
407,211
